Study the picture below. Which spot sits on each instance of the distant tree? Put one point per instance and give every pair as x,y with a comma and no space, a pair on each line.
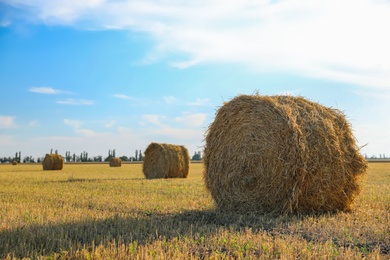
84,157
28,159
140,156
197,156
136,155
68,158
98,158
110,155
124,158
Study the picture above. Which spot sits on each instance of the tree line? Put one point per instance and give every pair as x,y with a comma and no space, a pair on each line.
84,157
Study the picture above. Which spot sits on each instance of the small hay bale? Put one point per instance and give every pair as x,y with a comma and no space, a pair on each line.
53,162
281,154
115,162
14,163
166,161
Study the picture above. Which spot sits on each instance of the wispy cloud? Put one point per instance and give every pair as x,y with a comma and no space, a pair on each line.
121,96
383,95
169,99
73,123
194,120
335,40
46,90
179,133
152,119
4,23
200,102
7,122
33,123
76,102
110,123
76,125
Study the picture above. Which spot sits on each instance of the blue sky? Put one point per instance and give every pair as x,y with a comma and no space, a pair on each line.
96,75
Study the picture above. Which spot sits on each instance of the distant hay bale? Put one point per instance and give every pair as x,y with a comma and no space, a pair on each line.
281,154
53,162
14,162
166,161
115,162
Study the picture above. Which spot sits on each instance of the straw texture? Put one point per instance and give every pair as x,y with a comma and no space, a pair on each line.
166,161
281,154
115,162
53,162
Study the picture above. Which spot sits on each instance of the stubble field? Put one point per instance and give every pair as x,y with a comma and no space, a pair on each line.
92,211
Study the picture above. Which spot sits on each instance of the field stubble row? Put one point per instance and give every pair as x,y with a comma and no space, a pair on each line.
94,211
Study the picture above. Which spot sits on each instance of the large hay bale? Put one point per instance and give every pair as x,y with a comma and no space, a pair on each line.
281,154
166,161
115,162
53,162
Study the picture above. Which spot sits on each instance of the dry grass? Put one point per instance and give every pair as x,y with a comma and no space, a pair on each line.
115,162
281,154
87,212
53,162
166,161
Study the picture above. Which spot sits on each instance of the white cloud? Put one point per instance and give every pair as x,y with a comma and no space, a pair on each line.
73,123
46,90
179,133
7,122
33,123
110,124
153,119
5,23
76,102
380,96
200,102
169,99
121,96
338,40
76,125
87,133
194,120
8,141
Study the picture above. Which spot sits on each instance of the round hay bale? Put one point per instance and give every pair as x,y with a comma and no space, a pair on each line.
115,162
14,163
281,154
166,161
53,162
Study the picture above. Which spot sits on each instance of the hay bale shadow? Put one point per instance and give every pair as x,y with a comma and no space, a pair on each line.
143,227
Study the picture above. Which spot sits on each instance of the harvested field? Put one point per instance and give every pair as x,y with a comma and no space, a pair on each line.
88,212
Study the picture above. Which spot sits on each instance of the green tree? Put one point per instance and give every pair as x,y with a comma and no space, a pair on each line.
197,156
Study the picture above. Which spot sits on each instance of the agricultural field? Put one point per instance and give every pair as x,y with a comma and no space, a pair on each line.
93,211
